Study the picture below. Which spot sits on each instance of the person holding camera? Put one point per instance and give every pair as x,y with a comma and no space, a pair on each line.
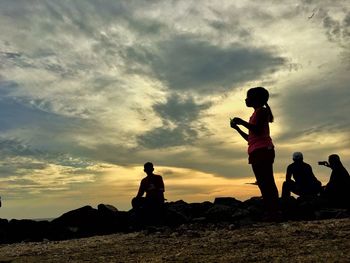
260,147
305,184
337,190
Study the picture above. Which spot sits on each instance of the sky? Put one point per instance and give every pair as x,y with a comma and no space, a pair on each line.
90,90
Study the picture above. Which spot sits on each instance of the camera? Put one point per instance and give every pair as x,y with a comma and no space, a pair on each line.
323,163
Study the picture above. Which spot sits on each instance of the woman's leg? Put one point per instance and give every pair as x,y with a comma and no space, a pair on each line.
266,182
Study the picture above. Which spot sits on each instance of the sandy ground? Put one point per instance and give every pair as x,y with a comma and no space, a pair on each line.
313,241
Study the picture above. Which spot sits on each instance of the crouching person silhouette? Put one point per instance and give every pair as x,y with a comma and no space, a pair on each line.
337,191
305,184
153,186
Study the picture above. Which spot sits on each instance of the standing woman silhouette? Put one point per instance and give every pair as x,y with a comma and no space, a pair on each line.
260,147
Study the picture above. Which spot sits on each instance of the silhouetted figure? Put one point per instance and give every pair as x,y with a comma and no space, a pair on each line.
153,186
260,147
305,183
337,191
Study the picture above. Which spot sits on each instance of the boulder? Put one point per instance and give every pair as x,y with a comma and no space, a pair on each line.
220,213
85,215
198,210
228,201
3,230
255,206
255,201
106,219
109,210
289,208
173,218
328,213
113,220
27,230
180,207
83,221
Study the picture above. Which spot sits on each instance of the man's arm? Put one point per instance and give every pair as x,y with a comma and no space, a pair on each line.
162,188
289,174
141,190
312,174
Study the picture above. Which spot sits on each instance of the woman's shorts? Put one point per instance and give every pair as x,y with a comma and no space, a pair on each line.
262,155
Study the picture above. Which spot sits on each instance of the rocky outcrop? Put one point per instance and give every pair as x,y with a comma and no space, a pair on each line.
106,219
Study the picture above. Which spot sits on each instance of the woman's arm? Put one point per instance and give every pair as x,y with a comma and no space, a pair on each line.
242,133
261,118
249,126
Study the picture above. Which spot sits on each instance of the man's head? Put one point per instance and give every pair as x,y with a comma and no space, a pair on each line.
148,168
298,157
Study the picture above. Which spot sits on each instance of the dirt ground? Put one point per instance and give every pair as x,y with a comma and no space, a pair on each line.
313,241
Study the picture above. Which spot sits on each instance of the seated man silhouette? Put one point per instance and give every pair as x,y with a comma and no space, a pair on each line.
153,186
305,183
337,191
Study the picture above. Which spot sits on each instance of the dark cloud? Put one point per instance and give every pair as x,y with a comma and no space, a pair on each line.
13,147
321,108
167,137
180,110
31,131
188,63
180,117
21,155
333,28
6,87
337,31
25,113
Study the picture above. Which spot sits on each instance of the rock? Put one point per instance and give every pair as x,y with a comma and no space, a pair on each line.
255,206
27,230
228,201
306,208
240,214
107,209
112,220
199,219
289,208
3,230
198,210
255,201
86,219
177,213
175,218
219,213
180,207
328,213
84,216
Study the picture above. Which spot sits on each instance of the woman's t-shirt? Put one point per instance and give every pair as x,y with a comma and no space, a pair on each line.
262,139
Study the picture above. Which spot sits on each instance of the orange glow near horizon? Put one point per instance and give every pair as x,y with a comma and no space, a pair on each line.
117,185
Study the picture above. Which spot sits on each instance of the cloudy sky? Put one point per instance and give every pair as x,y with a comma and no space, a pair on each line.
92,89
